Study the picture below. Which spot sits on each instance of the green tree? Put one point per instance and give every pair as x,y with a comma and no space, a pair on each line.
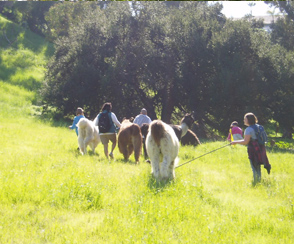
61,16
170,60
77,65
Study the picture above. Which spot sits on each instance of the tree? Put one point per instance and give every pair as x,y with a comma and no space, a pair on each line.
33,14
169,60
284,6
61,16
76,66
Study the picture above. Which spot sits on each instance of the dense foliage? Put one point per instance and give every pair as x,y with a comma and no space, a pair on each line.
169,58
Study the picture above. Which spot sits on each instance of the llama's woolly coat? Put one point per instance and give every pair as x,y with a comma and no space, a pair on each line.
130,140
162,144
88,135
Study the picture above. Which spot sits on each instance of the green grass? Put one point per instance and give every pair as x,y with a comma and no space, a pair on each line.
22,63
50,193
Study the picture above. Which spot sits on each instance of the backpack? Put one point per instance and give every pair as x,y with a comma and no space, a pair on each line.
104,123
260,134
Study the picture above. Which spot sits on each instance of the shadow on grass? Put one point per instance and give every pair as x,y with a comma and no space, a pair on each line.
158,186
130,161
265,182
279,150
76,152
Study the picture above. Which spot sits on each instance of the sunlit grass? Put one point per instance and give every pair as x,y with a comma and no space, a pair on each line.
23,56
51,193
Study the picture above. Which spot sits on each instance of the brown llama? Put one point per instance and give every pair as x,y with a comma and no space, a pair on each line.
130,140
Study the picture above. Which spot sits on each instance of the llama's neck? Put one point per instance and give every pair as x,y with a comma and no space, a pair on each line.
184,128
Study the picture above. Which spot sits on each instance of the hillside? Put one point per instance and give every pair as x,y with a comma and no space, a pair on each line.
23,56
23,59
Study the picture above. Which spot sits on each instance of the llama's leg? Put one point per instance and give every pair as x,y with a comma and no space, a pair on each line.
171,174
82,149
130,149
95,143
165,167
137,152
81,145
137,143
87,142
155,169
155,160
125,152
92,146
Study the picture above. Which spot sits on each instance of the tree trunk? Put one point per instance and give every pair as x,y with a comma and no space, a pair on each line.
287,134
167,104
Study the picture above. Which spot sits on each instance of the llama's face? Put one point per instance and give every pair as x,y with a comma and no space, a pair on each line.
188,119
125,120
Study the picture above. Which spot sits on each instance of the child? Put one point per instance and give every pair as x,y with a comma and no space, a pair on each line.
235,131
79,115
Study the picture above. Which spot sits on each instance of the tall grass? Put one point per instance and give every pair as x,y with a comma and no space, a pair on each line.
50,193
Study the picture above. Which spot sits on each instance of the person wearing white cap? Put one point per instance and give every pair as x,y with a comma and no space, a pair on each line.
142,118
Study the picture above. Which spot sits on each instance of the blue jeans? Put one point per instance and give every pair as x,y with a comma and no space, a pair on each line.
256,171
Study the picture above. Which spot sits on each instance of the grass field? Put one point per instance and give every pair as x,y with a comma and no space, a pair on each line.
50,193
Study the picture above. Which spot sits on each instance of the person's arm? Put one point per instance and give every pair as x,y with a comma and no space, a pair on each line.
229,136
115,120
245,141
149,120
75,121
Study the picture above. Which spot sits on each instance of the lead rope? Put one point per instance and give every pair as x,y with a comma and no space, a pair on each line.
202,155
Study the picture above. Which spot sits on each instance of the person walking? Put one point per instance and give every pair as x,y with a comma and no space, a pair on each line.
142,118
106,121
256,152
79,115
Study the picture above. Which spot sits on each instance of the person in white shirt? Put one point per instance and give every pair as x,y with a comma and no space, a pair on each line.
142,118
